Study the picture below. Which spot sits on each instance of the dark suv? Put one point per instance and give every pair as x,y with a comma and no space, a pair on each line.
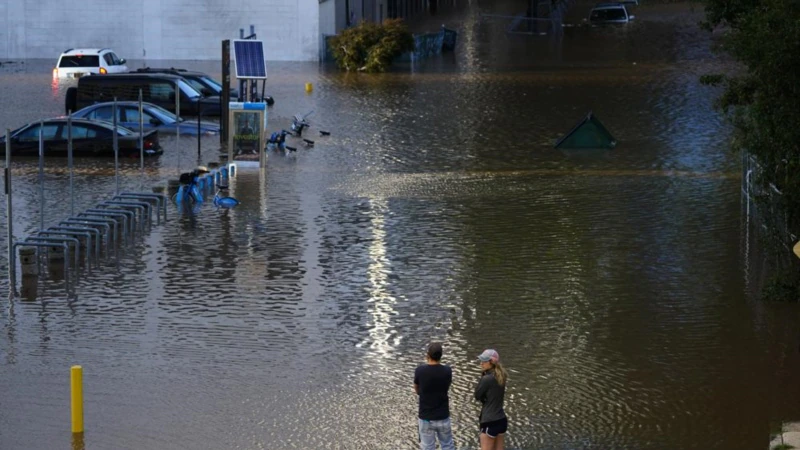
200,81
156,88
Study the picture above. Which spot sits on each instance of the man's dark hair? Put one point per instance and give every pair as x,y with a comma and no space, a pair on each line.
435,351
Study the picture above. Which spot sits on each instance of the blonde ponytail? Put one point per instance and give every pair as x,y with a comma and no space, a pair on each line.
500,373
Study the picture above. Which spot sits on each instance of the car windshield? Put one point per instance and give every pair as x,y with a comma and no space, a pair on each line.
188,90
212,82
163,114
198,86
79,61
608,14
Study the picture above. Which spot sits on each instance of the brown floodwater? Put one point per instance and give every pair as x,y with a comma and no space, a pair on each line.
617,285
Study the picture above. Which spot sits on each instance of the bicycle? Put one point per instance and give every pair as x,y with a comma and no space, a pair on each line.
189,190
224,202
299,123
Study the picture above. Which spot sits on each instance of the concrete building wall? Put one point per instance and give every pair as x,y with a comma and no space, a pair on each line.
158,29
327,17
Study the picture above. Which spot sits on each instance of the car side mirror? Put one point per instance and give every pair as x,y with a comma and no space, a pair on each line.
122,61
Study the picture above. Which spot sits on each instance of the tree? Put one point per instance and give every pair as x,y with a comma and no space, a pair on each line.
371,47
763,100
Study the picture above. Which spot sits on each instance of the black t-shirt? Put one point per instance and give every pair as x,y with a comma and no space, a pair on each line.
434,382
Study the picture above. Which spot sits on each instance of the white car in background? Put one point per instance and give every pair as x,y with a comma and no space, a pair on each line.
77,62
609,13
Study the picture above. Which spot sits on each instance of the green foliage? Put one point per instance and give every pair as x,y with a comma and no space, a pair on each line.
783,447
371,47
763,102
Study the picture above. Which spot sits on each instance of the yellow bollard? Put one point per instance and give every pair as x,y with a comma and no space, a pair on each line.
76,384
309,87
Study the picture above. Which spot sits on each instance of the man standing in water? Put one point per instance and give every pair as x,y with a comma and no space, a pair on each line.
431,382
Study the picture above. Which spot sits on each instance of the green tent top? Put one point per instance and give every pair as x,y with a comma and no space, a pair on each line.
588,133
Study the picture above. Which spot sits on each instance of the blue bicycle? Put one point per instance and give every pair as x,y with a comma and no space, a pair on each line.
190,190
221,201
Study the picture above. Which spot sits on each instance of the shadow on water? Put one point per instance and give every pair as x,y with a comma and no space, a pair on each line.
611,283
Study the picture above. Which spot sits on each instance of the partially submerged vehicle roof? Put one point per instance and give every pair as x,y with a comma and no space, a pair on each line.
114,76
84,51
103,122
609,5
164,70
121,103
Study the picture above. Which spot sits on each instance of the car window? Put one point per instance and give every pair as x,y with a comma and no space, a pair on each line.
608,14
50,131
163,114
198,86
188,90
162,92
79,61
212,82
108,59
81,131
114,59
102,113
132,115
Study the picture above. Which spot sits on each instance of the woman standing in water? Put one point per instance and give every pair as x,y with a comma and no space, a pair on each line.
490,392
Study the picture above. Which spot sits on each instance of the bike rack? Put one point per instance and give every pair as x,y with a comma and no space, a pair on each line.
144,210
115,217
160,199
48,233
210,179
113,210
40,245
111,230
127,225
98,237
135,203
64,240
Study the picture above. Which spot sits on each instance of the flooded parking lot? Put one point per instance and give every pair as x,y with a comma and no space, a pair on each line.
613,283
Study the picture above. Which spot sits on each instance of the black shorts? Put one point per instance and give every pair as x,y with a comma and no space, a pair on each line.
492,429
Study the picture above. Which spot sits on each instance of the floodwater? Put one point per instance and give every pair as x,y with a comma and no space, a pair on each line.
614,284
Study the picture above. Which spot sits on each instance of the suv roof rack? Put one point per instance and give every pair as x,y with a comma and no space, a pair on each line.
159,69
68,50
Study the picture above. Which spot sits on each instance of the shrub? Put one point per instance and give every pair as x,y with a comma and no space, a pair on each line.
371,47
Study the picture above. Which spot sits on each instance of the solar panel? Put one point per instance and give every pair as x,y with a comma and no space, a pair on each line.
249,56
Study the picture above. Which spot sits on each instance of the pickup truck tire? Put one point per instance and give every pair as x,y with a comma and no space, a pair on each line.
71,100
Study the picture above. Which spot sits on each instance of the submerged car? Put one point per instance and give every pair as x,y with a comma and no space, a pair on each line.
89,138
157,88
609,13
204,83
153,118
77,62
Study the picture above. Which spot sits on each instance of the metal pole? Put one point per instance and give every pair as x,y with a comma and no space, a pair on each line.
12,267
198,136
141,135
116,147
225,97
177,128
69,163
41,176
